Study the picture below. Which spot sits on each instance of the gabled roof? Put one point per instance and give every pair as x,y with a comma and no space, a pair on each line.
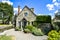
28,9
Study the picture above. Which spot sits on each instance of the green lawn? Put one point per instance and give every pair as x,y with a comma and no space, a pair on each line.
4,37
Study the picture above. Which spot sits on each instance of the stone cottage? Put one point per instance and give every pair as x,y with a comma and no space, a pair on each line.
25,17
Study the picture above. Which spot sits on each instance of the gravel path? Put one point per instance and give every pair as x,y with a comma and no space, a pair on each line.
19,35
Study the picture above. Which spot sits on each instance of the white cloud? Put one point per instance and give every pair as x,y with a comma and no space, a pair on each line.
56,11
7,1
54,0
50,6
56,4
53,6
16,10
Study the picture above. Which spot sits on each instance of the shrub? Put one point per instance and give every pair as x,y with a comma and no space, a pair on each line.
29,27
43,19
45,27
53,35
33,30
59,32
37,32
27,31
17,29
55,27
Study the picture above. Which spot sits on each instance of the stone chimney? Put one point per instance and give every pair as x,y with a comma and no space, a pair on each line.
32,9
18,10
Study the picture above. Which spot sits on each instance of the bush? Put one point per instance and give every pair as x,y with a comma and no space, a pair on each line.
29,27
17,29
55,27
53,35
37,32
45,27
33,30
27,31
43,19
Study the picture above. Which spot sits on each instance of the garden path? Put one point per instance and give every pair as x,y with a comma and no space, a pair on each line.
19,35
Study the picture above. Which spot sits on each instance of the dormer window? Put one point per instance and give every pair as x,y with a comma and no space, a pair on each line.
26,14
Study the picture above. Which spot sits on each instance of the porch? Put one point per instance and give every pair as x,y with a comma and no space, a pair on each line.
23,23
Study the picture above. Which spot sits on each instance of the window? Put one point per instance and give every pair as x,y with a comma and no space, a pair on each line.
26,14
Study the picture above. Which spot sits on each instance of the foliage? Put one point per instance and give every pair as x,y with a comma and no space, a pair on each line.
14,20
45,30
43,19
33,30
4,37
45,27
27,31
7,11
36,24
56,27
17,29
53,35
37,32
29,27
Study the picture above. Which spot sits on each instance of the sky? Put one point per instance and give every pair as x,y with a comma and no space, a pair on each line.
41,7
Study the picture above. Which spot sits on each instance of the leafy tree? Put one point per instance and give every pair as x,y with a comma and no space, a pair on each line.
7,11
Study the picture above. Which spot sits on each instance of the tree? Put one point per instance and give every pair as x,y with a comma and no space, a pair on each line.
7,11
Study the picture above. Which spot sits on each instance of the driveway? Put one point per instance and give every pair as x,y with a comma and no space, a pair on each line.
19,35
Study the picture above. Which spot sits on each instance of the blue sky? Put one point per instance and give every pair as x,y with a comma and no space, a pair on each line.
41,7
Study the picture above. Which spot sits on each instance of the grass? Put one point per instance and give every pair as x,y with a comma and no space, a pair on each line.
5,24
4,37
